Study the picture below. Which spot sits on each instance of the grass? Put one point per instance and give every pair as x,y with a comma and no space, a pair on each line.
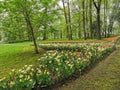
15,56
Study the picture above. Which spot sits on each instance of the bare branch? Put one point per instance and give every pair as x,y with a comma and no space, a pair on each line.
95,4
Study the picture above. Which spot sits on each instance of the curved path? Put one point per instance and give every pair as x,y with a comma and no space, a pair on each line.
104,76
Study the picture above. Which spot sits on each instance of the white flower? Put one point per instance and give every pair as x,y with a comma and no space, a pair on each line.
1,79
32,69
56,69
25,65
30,80
39,59
21,76
58,60
28,77
39,71
13,70
20,80
20,70
30,65
50,61
28,68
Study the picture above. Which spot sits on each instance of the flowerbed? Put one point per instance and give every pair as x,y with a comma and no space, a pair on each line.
75,46
55,65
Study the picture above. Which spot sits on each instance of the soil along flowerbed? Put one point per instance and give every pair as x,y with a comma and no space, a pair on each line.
55,65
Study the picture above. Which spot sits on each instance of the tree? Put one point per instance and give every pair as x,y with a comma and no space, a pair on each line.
47,17
66,19
90,15
69,15
26,11
19,12
53,19
83,6
105,16
114,16
97,6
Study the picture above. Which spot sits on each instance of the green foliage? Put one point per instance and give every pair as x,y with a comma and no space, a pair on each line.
47,19
14,22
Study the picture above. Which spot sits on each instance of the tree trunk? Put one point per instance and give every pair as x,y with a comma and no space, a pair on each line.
66,20
87,32
26,15
44,35
98,24
90,13
83,6
29,33
45,25
97,6
28,21
33,37
61,36
69,14
105,18
79,32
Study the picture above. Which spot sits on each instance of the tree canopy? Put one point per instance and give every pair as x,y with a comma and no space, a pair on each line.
58,19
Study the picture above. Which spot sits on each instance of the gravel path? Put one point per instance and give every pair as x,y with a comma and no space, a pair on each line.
104,76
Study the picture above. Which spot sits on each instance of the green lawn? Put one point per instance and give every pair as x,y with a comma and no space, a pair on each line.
16,56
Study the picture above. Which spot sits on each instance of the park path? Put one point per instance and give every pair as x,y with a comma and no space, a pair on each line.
104,76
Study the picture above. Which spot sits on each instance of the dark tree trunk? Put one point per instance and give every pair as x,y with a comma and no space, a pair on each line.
110,28
91,31
28,21
31,29
44,35
54,36
29,33
79,24
98,24
69,14
105,18
26,15
45,25
79,32
97,6
87,32
83,6
61,34
66,20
